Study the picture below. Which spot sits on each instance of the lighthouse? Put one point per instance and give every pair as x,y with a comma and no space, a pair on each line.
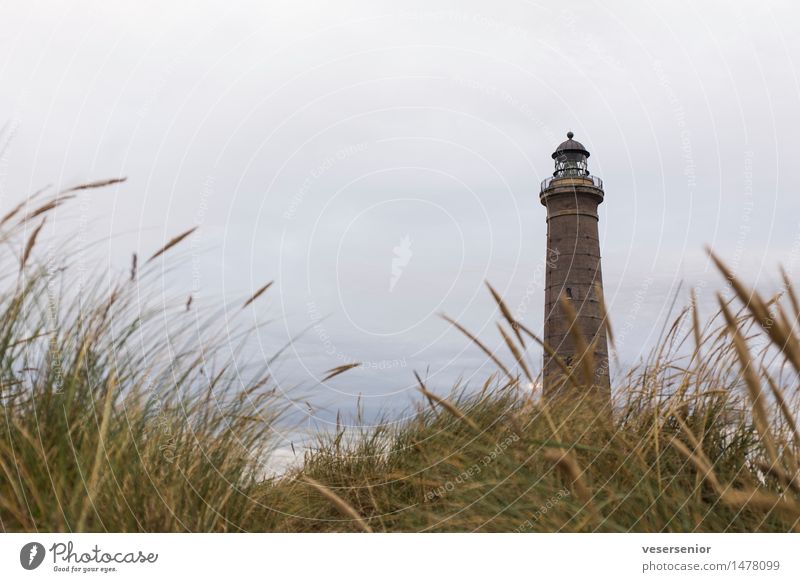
572,197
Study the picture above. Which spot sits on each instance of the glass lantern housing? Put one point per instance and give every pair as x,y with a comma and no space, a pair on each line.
570,159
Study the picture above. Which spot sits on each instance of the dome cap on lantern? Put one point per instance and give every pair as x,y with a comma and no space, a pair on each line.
570,146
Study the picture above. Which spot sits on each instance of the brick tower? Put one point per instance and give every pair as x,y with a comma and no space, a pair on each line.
572,197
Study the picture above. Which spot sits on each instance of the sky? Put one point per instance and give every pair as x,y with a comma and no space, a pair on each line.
380,161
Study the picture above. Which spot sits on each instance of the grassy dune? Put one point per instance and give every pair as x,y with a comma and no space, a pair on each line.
115,416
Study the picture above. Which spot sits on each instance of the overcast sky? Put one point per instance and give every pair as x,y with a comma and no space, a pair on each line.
317,142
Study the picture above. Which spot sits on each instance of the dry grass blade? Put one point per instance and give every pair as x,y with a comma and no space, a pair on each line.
752,498
14,211
174,241
45,208
97,184
257,294
566,463
761,500
30,244
134,266
757,398
516,353
696,331
482,347
339,503
102,446
700,462
425,393
507,314
748,297
333,372
787,284
783,405
551,353
778,331
446,404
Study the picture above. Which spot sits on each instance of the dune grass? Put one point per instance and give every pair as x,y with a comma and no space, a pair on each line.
119,415
702,436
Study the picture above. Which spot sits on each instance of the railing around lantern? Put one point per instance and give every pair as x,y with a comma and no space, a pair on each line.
597,182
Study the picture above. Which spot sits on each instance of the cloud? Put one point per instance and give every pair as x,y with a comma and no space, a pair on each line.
310,138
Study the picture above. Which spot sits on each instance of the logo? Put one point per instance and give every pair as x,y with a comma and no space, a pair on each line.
31,555
402,256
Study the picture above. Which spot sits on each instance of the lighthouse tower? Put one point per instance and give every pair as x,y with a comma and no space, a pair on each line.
572,197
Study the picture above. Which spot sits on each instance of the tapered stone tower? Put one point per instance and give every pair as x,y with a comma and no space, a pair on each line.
572,197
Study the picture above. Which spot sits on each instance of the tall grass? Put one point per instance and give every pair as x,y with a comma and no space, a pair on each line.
119,415
702,436
115,415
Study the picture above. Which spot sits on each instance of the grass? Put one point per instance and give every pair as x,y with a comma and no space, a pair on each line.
117,415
